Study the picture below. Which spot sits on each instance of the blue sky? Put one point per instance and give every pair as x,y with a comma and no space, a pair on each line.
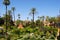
43,7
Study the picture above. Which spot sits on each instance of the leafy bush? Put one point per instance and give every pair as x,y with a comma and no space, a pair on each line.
36,33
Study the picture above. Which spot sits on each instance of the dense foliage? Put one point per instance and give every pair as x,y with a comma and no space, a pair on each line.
1,21
36,33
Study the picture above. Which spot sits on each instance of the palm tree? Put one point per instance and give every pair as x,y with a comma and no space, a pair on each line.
38,17
6,3
13,9
27,18
9,13
41,18
18,16
33,11
47,18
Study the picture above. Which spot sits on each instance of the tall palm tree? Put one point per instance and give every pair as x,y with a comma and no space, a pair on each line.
6,3
33,11
13,9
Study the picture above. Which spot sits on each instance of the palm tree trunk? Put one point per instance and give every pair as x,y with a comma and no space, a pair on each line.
33,19
6,24
14,16
6,18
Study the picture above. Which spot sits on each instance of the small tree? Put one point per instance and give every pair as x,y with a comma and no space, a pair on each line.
13,9
19,16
